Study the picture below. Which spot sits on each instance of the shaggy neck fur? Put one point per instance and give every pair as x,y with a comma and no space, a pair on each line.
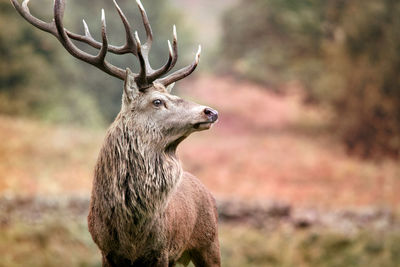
134,172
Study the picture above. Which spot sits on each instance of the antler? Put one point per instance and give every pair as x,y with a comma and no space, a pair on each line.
146,75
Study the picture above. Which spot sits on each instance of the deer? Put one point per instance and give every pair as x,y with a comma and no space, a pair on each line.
144,209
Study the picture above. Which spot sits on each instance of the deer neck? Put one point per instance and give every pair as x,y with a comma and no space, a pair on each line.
142,176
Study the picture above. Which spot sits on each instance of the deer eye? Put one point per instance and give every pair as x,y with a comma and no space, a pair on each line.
157,102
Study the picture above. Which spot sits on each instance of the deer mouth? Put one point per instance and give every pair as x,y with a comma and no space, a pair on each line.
203,125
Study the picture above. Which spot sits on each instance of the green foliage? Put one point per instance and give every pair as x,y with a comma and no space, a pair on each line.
346,54
39,78
261,38
366,60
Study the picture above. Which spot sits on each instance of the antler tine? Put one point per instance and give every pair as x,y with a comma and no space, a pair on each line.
182,73
87,32
25,13
175,47
103,51
87,38
146,24
130,45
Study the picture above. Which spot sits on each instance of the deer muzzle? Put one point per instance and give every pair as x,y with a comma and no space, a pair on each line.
211,114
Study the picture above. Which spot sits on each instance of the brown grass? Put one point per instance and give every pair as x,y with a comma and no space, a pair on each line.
265,146
36,158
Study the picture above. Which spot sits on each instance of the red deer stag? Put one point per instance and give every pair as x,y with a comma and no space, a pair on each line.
145,210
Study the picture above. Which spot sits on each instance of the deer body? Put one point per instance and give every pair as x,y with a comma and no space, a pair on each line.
145,210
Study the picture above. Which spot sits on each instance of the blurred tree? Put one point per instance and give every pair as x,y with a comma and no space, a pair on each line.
346,53
261,38
29,83
39,78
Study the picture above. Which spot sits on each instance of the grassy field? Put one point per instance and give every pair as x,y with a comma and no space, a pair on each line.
66,242
242,246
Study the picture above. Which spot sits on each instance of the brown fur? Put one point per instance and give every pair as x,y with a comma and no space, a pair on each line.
145,211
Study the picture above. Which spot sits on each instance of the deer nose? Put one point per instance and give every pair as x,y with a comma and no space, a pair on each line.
211,114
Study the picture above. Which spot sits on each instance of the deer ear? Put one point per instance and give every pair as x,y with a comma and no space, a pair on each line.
130,86
169,87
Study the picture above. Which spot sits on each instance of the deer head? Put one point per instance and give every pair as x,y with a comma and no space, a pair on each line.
147,104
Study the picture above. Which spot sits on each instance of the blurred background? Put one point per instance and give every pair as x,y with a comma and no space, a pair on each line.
304,161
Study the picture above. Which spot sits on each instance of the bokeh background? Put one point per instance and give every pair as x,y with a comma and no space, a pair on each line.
304,161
